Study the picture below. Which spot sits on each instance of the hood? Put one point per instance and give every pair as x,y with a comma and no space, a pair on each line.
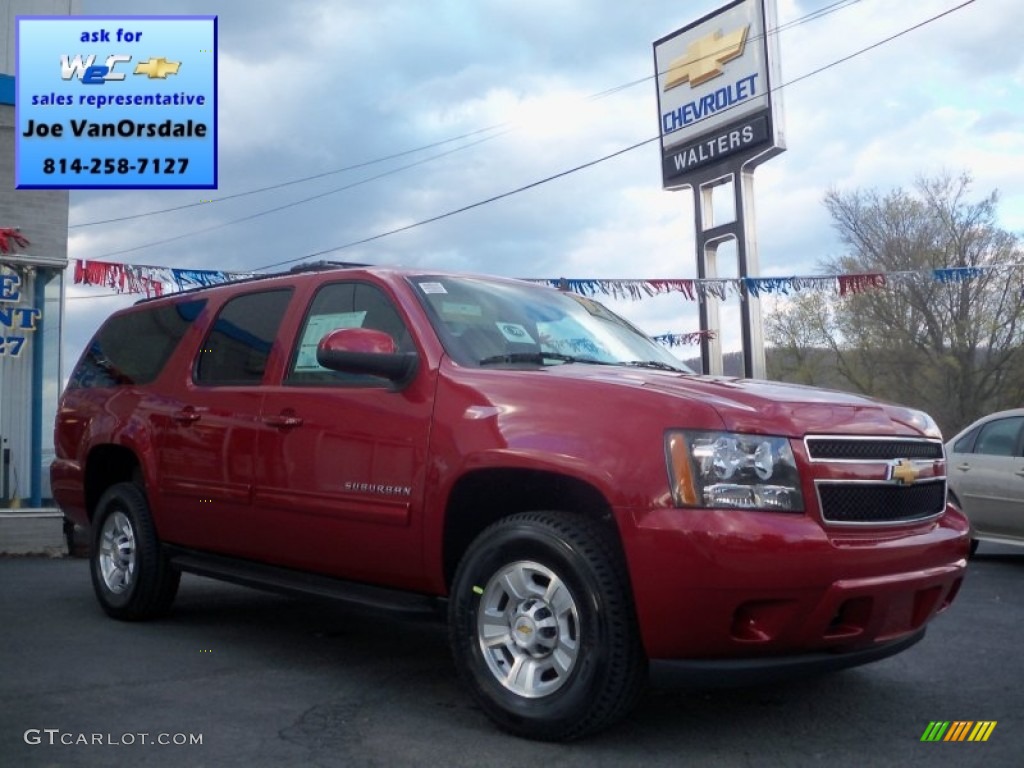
769,407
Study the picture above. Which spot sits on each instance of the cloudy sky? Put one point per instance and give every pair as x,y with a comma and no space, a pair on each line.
536,87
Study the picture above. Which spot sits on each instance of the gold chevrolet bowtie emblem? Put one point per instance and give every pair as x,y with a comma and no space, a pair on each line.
903,472
157,68
704,58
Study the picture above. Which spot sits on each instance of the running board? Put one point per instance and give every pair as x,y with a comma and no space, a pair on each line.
285,580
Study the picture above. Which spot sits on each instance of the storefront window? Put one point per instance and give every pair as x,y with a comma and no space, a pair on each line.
30,329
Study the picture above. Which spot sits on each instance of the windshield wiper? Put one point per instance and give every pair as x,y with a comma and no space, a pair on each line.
654,364
537,357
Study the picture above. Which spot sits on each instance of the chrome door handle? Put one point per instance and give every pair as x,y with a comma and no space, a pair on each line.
283,421
187,416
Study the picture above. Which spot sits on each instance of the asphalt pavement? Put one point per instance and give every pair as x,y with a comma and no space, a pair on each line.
236,677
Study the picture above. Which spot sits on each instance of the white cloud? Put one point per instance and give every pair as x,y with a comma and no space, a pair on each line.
310,87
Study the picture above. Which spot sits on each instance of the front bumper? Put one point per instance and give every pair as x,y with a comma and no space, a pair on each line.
734,585
736,673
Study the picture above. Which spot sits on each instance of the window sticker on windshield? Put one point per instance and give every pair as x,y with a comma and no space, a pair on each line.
319,326
461,310
515,333
581,346
432,288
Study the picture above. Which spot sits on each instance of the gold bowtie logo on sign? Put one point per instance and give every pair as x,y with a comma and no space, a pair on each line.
157,68
704,58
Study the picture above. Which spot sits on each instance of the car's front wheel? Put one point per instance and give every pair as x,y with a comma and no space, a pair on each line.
542,626
130,575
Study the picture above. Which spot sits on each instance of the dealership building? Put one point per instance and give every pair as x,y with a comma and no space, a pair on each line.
33,259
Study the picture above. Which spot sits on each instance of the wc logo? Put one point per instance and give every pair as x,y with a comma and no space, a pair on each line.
958,730
89,72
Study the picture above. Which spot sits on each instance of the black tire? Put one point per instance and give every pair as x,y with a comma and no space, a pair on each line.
974,547
130,575
550,592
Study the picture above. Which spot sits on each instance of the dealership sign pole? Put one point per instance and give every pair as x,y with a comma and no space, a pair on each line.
720,116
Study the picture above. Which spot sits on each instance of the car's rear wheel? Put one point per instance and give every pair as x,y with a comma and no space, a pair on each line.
130,575
542,626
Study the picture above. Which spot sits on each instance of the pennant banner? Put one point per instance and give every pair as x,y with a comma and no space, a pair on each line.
155,281
147,280
11,237
683,339
756,287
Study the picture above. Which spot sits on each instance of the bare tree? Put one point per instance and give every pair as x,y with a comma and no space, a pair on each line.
948,341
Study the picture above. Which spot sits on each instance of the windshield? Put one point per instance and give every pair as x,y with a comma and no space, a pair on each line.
495,323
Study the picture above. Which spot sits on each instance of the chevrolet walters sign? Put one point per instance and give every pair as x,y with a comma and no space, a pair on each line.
714,90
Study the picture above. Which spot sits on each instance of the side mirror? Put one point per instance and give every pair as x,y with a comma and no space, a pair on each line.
365,351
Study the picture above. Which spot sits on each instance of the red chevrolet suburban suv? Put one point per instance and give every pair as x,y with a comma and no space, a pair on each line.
588,511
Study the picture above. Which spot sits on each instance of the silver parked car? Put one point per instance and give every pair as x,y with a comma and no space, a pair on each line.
985,463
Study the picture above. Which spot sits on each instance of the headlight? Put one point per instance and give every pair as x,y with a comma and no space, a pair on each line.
730,470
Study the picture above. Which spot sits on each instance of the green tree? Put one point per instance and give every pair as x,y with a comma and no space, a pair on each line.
951,346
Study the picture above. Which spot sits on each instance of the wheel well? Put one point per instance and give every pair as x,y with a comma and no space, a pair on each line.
485,496
107,465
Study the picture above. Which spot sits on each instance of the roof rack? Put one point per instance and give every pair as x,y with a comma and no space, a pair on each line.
317,266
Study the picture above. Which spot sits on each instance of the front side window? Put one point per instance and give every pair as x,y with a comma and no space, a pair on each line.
236,350
132,348
1000,438
485,323
344,305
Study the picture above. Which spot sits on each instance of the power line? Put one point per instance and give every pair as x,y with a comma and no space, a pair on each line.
509,193
882,42
97,296
812,16
469,207
281,185
292,204
605,157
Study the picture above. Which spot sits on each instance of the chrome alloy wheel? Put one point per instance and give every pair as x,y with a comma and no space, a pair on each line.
528,629
117,558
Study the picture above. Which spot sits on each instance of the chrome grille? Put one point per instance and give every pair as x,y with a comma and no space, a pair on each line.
862,486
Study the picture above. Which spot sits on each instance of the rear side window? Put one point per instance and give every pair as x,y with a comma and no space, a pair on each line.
238,346
134,347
